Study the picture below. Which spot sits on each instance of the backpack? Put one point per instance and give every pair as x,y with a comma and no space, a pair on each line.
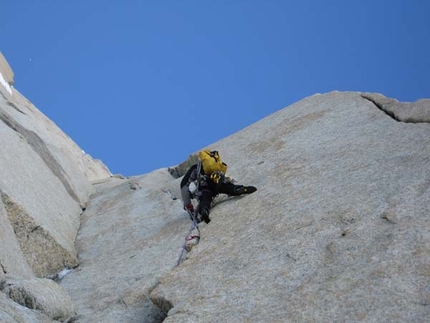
211,162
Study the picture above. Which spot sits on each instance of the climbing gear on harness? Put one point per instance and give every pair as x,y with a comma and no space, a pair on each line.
217,177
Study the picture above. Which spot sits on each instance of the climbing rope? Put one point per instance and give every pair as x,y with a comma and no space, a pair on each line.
189,236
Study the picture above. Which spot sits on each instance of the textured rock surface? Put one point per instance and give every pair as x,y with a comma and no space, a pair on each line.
37,204
45,180
11,312
131,234
40,294
417,112
46,253
12,260
60,154
337,232
94,169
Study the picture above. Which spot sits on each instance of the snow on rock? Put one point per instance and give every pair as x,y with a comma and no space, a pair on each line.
5,84
6,75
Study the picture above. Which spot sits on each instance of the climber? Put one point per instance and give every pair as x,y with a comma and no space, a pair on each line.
204,181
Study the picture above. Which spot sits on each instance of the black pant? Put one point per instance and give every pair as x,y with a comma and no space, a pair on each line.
211,190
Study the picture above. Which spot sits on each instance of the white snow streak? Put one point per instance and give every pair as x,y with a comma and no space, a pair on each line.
63,273
5,84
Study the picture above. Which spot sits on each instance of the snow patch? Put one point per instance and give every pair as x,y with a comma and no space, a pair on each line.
63,273
5,84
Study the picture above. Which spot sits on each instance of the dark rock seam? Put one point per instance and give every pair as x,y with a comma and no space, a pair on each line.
381,107
41,149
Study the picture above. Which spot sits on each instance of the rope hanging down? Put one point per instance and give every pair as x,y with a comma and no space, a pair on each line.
189,237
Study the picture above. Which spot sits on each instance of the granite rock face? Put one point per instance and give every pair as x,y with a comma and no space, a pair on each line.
12,259
337,231
45,182
11,312
40,294
417,112
131,234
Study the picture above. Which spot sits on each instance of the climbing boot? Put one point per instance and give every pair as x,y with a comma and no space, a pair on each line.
205,215
239,190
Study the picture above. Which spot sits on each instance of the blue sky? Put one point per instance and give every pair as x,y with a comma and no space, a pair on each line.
143,84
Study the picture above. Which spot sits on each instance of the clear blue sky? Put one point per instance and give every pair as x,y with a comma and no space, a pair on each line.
141,84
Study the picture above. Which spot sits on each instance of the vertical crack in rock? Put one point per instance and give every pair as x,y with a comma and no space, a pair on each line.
42,150
163,305
43,253
381,107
